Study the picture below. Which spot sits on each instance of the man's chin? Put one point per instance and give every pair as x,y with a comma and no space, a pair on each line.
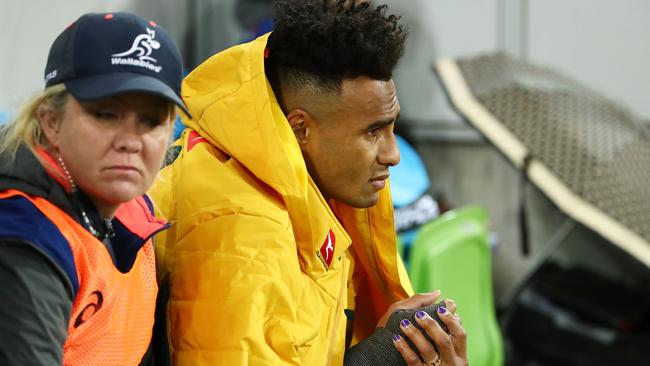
364,201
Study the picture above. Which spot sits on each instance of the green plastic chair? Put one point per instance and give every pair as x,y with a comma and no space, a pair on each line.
451,253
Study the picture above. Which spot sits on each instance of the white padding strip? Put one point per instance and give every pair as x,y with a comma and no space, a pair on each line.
588,214
481,118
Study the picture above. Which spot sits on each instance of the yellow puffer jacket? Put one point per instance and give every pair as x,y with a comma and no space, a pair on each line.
246,257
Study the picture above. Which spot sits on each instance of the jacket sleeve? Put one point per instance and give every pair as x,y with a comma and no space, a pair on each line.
35,308
233,288
378,348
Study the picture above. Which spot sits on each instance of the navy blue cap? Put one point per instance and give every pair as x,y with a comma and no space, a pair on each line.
101,55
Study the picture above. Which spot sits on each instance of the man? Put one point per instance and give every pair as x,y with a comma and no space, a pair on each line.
282,234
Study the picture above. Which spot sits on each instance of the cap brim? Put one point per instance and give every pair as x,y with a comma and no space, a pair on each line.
106,85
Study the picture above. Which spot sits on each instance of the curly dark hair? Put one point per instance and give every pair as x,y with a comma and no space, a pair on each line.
318,43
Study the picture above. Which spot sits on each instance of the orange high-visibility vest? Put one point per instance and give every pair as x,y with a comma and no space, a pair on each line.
113,312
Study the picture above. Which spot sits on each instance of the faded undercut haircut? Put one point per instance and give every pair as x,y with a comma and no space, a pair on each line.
317,44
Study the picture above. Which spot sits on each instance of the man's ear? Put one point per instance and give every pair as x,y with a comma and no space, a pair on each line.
301,123
50,123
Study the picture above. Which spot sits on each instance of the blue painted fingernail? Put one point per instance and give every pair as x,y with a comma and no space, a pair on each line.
396,337
442,310
405,323
420,314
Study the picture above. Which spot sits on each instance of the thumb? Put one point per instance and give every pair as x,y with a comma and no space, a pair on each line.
420,300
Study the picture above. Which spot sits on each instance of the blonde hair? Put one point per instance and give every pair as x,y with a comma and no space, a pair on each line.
26,128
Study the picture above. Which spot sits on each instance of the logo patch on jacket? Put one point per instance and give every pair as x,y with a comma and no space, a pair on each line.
326,252
90,309
193,139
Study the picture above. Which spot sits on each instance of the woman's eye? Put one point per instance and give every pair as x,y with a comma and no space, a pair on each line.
152,121
102,114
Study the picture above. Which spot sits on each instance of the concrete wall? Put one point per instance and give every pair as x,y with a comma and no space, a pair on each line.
597,42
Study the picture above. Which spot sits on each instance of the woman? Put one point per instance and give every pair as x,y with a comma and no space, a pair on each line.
77,264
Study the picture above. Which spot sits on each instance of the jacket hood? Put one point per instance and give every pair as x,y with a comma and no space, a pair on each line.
234,108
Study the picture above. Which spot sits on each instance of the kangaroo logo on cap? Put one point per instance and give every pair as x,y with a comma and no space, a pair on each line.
141,48
143,45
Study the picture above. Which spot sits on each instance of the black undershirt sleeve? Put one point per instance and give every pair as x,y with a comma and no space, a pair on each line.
378,348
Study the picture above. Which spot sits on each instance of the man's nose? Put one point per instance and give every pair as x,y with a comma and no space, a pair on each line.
389,153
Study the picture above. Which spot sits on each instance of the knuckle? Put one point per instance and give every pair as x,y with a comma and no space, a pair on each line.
446,342
412,359
427,349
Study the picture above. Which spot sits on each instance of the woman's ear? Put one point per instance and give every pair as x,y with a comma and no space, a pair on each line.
300,122
50,123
